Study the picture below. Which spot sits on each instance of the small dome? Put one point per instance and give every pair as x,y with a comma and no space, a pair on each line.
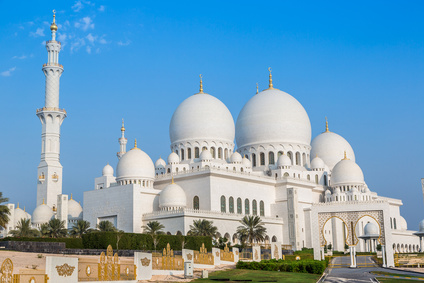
202,117
160,163
42,214
272,116
371,229
347,172
246,162
327,192
74,209
284,160
173,158
19,214
135,164
330,147
205,155
107,170
317,163
402,223
236,158
421,226
172,196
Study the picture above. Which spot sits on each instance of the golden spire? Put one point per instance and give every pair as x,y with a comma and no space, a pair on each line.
122,128
270,78
71,196
257,88
345,156
326,125
201,84
135,143
43,201
24,209
53,27
172,180
17,205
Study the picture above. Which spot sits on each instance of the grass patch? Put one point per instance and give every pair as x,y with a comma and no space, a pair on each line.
383,273
393,280
240,275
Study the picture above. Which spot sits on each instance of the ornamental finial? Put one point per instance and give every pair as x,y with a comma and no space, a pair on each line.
43,201
270,78
326,125
122,127
172,180
345,156
71,196
257,88
53,26
135,143
201,84
17,205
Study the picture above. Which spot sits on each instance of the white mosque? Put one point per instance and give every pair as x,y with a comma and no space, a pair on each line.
275,172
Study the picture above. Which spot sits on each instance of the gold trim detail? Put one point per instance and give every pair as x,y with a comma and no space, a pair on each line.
226,255
189,256
145,261
6,271
65,270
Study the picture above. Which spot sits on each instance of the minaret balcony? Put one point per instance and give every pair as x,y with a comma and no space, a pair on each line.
51,109
53,65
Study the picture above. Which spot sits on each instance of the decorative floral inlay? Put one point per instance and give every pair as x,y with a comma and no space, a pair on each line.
189,256
65,270
145,261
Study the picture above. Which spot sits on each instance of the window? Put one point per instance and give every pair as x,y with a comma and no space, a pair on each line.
246,207
262,208
262,156
239,206
316,179
290,155
394,223
196,152
196,202
182,154
280,153
254,207
297,158
176,152
325,180
213,152
231,205
189,153
271,158
223,205
308,177
253,160
226,154
220,153
391,223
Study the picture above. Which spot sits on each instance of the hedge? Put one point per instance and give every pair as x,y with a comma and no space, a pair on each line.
71,243
133,241
302,266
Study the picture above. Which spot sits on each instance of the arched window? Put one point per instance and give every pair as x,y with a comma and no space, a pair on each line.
239,206
213,152
223,204
176,152
231,205
394,223
169,170
297,158
196,202
254,207
271,158
325,180
226,154
182,154
280,153
220,153
253,160
196,152
188,153
316,179
262,157
304,159
391,223
274,239
286,174
308,177
246,206
261,208
290,155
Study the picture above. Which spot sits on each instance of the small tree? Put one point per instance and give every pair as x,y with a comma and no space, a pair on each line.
105,226
253,228
379,247
346,247
56,228
24,229
330,247
220,242
203,227
153,228
80,228
4,211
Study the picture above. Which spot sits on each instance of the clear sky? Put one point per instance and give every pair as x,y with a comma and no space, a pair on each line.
360,63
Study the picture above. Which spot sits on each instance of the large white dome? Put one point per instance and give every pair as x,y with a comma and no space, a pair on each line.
347,172
134,165
74,209
330,147
202,117
42,214
371,229
273,116
173,196
107,170
19,214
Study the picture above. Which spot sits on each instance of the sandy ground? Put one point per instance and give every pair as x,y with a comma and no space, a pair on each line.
38,261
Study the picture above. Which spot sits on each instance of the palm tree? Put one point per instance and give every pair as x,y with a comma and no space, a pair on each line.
44,230
24,229
4,211
252,229
56,228
153,228
80,228
203,227
106,226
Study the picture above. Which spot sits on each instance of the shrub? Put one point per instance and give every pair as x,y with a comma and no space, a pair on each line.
303,266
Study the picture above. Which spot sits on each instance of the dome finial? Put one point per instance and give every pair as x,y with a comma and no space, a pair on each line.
326,125
71,196
201,84
53,26
122,127
43,201
172,180
345,156
270,78
257,88
135,143
17,205
24,209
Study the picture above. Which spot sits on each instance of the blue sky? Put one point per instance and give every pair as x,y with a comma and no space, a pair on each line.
359,63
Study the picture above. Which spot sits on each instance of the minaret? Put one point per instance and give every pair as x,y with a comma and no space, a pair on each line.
51,117
122,142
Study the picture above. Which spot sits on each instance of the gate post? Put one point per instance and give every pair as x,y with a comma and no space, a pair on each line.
352,257
383,255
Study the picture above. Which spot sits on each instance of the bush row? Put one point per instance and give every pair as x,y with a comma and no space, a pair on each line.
71,243
132,241
303,266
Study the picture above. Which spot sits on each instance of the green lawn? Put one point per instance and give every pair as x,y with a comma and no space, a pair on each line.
392,280
238,275
394,274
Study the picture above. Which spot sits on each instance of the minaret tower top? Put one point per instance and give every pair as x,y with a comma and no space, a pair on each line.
122,142
51,118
